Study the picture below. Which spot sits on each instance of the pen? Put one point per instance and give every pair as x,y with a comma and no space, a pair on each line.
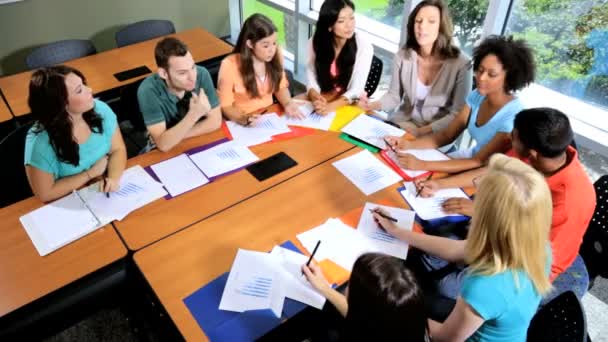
422,187
389,145
384,215
313,254
104,185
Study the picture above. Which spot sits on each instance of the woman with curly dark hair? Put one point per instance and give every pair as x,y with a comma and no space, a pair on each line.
75,139
339,59
502,66
383,302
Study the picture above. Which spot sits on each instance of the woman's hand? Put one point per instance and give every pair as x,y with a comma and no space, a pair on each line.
384,223
463,206
110,185
410,162
292,110
98,168
427,188
315,277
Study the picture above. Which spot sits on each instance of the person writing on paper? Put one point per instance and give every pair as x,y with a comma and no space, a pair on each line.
507,251
502,66
74,139
383,301
339,59
253,73
179,100
541,137
431,78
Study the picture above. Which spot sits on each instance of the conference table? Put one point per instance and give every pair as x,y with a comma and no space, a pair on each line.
165,217
27,276
180,264
99,69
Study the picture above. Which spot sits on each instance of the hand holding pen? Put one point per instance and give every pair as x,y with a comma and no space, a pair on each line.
384,221
426,187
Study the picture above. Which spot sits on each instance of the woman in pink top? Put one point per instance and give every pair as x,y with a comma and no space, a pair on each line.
253,73
338,59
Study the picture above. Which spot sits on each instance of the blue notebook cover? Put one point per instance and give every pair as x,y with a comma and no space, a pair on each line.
220,325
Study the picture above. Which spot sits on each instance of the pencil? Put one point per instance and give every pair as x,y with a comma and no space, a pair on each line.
390,218
313,254
422,187
389,145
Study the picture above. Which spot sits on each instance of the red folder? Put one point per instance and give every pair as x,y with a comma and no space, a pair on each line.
398,168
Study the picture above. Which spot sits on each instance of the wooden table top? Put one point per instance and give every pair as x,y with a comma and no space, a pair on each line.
177,266
164,217
26,276
5,113
99,69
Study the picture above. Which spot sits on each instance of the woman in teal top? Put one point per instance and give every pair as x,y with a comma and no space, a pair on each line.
74,140
502,66
507,250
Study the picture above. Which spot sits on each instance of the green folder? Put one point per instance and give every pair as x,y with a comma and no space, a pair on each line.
359,143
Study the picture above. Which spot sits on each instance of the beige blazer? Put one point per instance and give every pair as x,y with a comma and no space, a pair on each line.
446,96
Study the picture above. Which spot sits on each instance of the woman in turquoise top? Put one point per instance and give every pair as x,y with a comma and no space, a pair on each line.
502,66
74,140
507,250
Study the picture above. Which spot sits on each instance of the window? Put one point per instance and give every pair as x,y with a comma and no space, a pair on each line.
468,17
570,40
284,22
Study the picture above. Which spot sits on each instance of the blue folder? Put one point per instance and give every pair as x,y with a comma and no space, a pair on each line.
220,325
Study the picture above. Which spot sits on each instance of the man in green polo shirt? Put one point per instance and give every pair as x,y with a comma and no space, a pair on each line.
179,101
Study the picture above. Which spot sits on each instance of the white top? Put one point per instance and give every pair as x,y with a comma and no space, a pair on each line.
422,91
363,63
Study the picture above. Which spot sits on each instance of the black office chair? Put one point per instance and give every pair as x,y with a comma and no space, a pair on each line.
562,319
143,30
373,79
59,52
12,149
128,106
594,249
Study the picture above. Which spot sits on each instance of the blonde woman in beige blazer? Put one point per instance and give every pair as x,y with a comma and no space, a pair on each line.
431,78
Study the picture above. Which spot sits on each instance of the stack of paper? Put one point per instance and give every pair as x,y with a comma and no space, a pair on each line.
422,154
372,131
367,172
383,241
223,158
253,284
431,207
81,212
339,243
261,130
311,119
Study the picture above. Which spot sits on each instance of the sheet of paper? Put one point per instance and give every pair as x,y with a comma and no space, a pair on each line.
59,223
261,130
253,284
367,172
223,158
382,240
295,284
422,154
430,208
179,175
339,243
371,130
312,119
137,188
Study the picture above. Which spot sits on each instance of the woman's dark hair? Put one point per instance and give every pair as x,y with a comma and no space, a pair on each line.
48,101
323,46
443,46
385,302
545,130
515,56
256,28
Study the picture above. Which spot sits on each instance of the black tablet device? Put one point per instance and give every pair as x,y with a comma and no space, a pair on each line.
132,73
271,166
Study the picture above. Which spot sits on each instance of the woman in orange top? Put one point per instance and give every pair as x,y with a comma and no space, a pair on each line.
253,73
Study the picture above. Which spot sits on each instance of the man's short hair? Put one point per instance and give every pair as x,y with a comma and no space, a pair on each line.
166,48
545,130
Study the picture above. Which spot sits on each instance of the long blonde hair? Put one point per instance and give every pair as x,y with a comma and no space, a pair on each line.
511,222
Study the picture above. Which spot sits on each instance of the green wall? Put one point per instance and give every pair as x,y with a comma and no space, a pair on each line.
27,24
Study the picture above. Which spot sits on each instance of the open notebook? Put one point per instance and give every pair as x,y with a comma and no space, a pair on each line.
81,212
